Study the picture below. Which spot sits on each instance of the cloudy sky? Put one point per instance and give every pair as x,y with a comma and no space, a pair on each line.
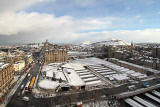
74,21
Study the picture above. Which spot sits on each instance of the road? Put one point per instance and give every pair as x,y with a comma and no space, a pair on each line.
16,100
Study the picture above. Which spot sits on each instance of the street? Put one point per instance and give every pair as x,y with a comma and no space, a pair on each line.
16,100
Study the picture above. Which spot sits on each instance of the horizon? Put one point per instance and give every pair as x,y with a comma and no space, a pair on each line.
75,43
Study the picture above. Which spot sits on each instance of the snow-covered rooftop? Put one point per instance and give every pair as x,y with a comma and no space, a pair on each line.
48,84
98,65
2,65
120,77
73,78
68,73
51,69
137,66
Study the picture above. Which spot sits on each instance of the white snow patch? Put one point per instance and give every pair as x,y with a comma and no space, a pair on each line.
47,84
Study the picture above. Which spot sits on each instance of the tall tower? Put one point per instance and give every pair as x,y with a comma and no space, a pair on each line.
46,45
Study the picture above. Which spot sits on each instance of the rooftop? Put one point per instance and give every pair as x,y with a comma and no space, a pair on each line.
3,65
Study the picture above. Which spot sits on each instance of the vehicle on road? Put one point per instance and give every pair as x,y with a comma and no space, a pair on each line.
25,98
145,84
27,85
29,75
131,87
31,84
22,86
23,91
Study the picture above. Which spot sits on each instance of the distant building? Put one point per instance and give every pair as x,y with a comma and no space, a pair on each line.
156,52
135,67
2,54
54,54
18,66
28,59
6,77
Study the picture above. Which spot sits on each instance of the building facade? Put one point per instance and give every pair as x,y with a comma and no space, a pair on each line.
156,52
6,77
2,54
54,54
28,59
19,65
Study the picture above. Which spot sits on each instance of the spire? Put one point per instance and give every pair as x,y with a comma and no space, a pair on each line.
46,40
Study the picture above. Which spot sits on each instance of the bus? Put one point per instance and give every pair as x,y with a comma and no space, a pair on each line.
27,85
31,84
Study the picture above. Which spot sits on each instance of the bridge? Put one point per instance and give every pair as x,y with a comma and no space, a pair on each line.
136,92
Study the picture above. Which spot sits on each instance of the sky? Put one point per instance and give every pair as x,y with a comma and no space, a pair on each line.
75,21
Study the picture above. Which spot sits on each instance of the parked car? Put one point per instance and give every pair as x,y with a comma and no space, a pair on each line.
145,84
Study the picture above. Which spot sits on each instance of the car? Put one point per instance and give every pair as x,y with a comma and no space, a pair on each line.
131,87
145,84
22,86
25,98
29,75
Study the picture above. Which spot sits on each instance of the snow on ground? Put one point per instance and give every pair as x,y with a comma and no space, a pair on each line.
48,84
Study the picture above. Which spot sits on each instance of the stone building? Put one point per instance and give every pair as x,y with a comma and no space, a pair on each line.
54,53
2,54
18,66
156,52
134,67
6,77
28,59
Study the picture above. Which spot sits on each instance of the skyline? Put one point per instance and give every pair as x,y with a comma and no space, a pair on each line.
76,21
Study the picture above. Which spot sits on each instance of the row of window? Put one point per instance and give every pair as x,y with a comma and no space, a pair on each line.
5,80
